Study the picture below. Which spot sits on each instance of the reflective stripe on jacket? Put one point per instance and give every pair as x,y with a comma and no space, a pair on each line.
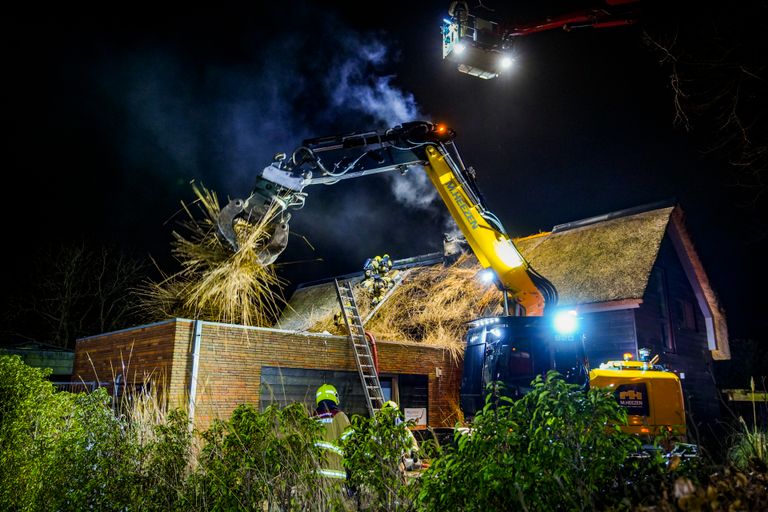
334,423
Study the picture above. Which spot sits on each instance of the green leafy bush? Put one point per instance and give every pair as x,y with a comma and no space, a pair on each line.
557,448
167,458
554,449
259,459
749,448
30,423
58,450
373,455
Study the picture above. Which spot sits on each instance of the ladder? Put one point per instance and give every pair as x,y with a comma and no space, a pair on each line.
374,396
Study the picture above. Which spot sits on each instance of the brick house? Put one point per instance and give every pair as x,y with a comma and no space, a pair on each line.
633,275
210,368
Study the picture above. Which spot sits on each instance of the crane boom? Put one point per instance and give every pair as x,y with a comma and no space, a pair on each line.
483,48
490,243
328,160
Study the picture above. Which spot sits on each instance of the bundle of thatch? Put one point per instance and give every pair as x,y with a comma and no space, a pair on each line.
215,283
432,305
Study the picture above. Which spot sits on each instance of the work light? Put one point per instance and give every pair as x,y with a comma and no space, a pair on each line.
506,62
566,322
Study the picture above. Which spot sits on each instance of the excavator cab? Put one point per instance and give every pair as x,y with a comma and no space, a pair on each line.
512,351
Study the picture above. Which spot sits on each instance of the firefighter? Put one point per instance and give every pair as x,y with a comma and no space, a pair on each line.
378,277
335,422
386,263
410,459
372,266
379,290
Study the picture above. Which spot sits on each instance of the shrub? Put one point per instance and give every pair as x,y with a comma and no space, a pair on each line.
259,459
167,459
749,449
373,455
58,450
554,449
557,448
30,411
94,460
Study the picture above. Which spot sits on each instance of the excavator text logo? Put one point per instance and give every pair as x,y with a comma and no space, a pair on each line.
633,397
461,203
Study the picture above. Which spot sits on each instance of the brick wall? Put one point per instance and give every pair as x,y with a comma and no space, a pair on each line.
138,355
231,358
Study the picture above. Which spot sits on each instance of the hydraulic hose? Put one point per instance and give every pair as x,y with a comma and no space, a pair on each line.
374,351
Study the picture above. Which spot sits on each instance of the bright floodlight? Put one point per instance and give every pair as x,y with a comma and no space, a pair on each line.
459,48
507,62
486,276
566,322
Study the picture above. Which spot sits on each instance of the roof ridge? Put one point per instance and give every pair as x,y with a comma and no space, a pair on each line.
627,212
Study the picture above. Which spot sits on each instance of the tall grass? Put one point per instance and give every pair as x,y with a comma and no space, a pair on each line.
749,446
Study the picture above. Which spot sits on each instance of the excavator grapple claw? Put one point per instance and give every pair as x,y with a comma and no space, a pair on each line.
253,212
278,240
226,222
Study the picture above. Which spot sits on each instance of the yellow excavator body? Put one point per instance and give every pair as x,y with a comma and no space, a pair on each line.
652,396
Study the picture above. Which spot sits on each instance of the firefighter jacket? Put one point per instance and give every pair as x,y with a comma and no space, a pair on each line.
335,423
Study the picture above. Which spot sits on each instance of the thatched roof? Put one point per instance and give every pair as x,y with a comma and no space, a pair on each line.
309,304
596,263
601,261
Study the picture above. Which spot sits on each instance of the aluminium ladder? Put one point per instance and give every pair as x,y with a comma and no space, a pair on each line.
368,377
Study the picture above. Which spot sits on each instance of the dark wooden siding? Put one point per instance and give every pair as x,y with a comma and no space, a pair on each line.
689,353
609,334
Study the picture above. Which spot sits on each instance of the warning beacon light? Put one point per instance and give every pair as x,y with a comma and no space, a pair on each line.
566,322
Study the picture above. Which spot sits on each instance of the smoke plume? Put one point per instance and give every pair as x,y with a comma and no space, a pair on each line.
194,112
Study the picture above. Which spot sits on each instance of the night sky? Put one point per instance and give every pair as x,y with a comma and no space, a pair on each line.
111,115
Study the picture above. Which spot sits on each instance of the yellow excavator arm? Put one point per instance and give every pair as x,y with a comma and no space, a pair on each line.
492,246
328,160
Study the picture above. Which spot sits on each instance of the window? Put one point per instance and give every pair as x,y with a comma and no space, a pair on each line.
414,390
687,315
659,283
388,386
283,386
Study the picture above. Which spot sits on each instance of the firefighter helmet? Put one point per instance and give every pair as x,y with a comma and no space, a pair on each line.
327,392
